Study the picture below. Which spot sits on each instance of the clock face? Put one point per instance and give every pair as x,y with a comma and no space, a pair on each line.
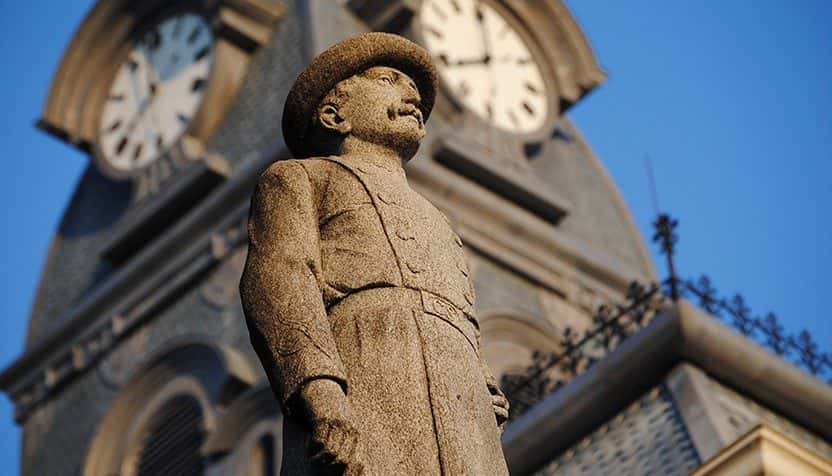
485,63
156,91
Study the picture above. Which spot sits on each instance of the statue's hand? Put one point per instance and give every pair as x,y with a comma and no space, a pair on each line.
335,447
500,404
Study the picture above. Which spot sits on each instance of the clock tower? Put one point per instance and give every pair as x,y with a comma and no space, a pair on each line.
137,356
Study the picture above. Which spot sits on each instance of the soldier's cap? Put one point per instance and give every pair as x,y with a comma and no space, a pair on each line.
343,60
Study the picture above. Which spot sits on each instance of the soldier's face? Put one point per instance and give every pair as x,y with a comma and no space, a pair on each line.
383,108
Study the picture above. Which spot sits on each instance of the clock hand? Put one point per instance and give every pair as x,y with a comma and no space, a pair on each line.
486,44
492,90
469,62
140,110
510,59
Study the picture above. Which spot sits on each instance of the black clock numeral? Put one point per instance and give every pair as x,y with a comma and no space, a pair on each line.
532,88
456,6
137,152
202,53
194,34
114,126
121,145
159,142
478,13
489,110
444,59
115,97
198,84
152,39
182,118
524,60
528,108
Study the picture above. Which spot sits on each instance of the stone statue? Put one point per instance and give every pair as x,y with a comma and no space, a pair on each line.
356,290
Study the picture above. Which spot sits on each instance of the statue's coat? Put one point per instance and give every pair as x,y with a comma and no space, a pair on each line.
355,277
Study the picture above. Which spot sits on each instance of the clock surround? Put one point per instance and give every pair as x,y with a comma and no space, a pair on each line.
78,94
488,62
520,21
156,91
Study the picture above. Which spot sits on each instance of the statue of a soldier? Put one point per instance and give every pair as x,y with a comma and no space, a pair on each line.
356,289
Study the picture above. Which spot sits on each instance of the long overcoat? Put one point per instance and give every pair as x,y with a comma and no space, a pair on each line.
355,277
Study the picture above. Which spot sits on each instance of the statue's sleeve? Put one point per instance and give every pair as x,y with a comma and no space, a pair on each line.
491,381
281,297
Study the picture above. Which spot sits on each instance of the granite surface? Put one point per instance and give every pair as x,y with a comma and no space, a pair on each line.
356,289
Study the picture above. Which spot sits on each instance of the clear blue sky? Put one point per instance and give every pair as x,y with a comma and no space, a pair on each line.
731,99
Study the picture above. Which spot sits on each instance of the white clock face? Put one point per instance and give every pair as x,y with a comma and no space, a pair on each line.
485,62
156,91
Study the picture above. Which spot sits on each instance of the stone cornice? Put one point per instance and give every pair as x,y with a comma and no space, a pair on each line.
764,451
681,333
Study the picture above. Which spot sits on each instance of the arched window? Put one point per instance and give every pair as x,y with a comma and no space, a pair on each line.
171,440
163,420
509,339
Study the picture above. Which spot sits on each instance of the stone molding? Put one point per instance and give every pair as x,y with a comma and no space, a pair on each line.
764,451
681,333
114,310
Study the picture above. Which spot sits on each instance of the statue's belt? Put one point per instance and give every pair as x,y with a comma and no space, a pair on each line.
425,301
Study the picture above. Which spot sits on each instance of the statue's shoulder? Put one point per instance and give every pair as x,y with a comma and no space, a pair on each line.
318,171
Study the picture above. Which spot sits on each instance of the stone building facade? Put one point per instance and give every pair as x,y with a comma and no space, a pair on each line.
137,357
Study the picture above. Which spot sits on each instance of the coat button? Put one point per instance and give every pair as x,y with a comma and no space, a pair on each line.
413,268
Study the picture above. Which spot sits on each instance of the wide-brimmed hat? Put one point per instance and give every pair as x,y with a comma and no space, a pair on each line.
343,60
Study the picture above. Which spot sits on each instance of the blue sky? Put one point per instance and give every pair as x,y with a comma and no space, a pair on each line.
730,99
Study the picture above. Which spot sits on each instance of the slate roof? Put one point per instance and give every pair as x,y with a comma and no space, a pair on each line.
647,438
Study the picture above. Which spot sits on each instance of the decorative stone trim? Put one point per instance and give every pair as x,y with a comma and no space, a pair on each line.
102,338
764,451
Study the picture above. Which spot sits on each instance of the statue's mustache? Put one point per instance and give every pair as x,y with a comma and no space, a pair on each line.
404,109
